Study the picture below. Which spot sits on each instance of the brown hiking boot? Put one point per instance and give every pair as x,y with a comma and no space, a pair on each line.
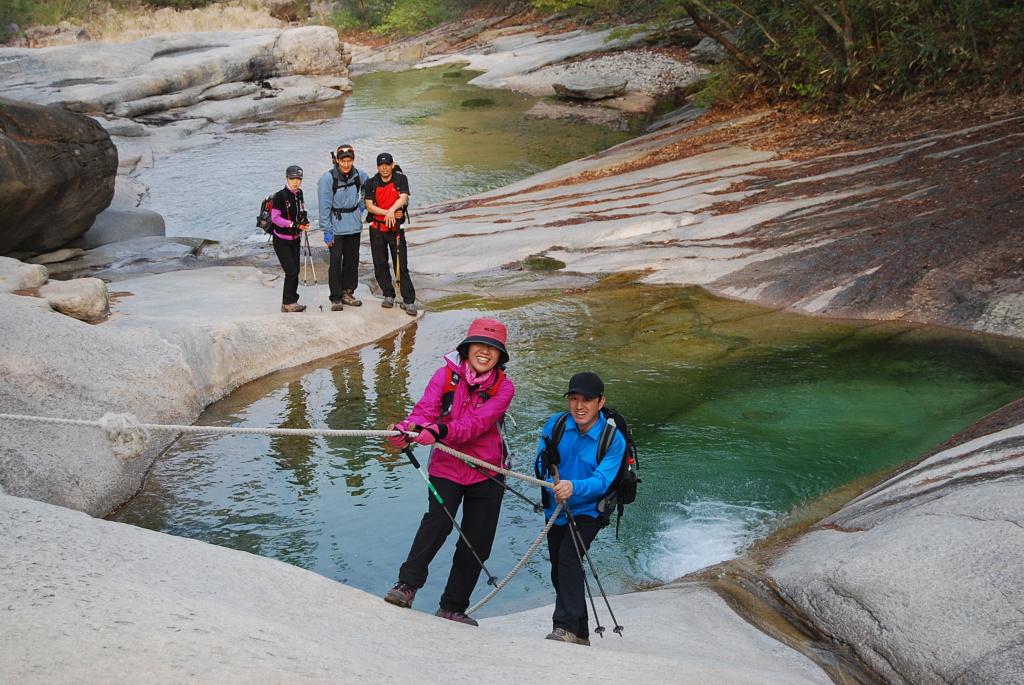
337,307
349,298
456,616
401,595
294,307
563,635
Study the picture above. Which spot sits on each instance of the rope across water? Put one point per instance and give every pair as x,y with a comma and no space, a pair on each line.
127,436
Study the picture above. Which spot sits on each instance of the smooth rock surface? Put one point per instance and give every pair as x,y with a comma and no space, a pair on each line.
924,575
113,601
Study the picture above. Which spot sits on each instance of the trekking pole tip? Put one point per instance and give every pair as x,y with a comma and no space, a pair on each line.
493,580
618,629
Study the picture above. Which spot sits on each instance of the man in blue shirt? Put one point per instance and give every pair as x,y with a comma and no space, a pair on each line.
340,195
579,482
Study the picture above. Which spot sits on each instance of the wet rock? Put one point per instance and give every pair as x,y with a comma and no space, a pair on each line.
57,173
590,87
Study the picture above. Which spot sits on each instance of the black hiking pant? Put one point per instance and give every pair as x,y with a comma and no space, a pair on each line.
289,253
481,505
391,243
343,273
567,575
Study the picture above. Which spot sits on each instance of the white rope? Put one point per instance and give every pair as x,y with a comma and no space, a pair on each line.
126,433
128,436
522,562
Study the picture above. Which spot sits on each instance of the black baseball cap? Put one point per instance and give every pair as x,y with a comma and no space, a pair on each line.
385,158
345,150
293,172
587,384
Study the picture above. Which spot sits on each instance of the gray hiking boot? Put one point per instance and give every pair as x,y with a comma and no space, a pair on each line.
401,595
563,635
456,616
337,307
410,309
349,298
388,302
294,307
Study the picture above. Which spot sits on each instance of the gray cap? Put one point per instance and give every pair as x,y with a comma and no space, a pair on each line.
293,172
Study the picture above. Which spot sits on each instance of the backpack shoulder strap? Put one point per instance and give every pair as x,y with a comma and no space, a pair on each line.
448,394
336,181
558,430
604,443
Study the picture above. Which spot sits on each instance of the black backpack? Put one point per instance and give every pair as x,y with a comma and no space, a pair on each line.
622,490
263,218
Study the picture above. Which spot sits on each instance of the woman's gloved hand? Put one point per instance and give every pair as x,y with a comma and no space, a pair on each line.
399,441
430,434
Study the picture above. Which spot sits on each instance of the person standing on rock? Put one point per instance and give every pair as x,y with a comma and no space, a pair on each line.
580,480
387,201
288,214
464,405
340,194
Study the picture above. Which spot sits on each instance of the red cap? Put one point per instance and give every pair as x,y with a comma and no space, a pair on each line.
488,332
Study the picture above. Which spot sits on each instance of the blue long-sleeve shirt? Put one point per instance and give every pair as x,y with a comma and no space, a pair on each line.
578,453
348,197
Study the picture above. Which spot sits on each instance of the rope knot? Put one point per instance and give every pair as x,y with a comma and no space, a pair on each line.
127,436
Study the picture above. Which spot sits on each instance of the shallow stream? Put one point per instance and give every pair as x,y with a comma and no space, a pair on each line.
452,140
741,415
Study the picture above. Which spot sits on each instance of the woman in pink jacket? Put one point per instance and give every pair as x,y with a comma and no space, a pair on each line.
463,405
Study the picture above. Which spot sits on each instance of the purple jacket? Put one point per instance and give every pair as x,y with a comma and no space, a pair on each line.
472,423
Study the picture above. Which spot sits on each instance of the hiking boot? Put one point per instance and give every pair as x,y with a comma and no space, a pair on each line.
401,595
563,635
337,307
388,302
410,309
585,641
294,307
349,298
456,616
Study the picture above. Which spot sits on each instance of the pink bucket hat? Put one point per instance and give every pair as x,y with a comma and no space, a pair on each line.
488,332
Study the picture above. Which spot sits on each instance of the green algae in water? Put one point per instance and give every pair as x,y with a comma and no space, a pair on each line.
741,414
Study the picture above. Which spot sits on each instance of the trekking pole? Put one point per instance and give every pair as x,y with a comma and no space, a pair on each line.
309,256
398,263
537,508
574,531
491,579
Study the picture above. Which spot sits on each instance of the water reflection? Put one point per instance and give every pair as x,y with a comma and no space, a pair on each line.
740,414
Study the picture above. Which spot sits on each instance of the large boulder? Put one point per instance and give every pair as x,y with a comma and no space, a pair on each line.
57,173
923,577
